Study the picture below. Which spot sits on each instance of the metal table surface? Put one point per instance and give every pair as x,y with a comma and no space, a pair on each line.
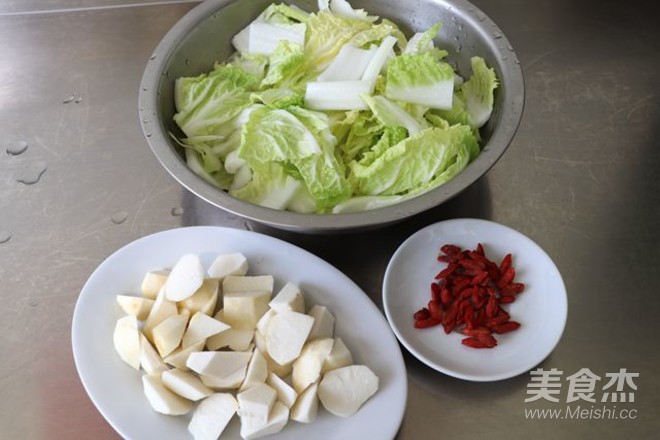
581,178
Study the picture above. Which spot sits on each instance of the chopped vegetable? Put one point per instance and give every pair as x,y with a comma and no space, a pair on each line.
420,79
332,111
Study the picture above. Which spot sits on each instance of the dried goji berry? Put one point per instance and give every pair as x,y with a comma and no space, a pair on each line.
435,291
449,317
475,297
501,317
468,293
468,317
476,256
473,342
480,318
463,305
447,258
506,327
472,264
476,331
465,294
421,314
450,249
435,309
506,299
445,296
426,323
479,278
480,302
506,278
505,264
459,283
493,271
487,339
512,289
491,307
446,271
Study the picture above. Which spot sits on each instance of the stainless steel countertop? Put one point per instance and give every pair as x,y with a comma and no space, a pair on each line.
581,178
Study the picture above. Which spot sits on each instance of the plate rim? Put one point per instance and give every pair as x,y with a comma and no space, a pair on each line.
108,260
448,371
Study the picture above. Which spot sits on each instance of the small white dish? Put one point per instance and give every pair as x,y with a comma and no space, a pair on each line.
116,389
541,308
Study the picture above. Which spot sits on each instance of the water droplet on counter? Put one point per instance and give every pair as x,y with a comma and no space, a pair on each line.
69,99
17,147
510,47
460,27
148,135
497,35
119,217
177,211
144,89
153,57
4,237
34,303
458,48
78,100
32,174
504,57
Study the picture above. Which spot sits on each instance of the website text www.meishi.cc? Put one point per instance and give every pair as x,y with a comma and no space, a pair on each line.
581,413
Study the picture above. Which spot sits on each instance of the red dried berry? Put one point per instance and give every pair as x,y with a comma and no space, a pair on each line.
435,291
505,264
472,264
506,299
447,258
479,278
468,294
450,249
506,327
491,307
426,323
476,331
435,309
446,272
473,342
445,296
487,339
512,289
421,314
506,278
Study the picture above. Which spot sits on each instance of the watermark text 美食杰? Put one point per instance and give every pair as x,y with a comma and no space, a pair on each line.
584,398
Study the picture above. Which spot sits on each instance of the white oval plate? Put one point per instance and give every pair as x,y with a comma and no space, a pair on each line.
541,308
116,389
